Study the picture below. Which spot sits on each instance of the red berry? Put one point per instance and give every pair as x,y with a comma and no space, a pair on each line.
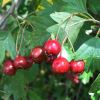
60,65
52,47
20,62
37,54
73,77
77,66
29,62
8,68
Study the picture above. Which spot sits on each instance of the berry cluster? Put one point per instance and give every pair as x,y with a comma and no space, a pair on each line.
49,53
20,62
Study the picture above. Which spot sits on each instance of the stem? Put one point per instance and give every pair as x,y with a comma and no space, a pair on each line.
71,45
29,23
64,40
94,20
17,35
31,14
84,15
98,33
91,20
61,24
21,39
90,15
65,32
67,37
58,31
17,41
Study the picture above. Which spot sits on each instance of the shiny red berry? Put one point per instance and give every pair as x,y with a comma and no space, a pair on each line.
8,68
37,54
52,47
77,66
20,62
60,65
29,61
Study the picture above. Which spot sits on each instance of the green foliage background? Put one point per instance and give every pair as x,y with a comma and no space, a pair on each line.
32,24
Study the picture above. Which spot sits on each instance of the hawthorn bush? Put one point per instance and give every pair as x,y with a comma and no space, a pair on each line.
49,50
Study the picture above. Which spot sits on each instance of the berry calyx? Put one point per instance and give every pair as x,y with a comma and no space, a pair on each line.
19,62
50,58
77,66
37,54
52,47
29,61
60,65
8,68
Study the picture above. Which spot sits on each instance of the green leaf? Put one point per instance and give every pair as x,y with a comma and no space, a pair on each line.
94,6
31,73
82,36
67,53
69,28
90,50
3,35
33,95
2,52
48,8
85,77
11,23
60,17
95,87
76,5
9,44
53,31
40,25
15,86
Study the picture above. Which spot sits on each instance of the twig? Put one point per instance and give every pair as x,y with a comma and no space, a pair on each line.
4,18
9,12
58,31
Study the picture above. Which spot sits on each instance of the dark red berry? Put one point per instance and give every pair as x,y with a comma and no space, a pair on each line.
8,68
50,58
52,47
73,77
37,54
60,65
29,61
20,62
77,66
